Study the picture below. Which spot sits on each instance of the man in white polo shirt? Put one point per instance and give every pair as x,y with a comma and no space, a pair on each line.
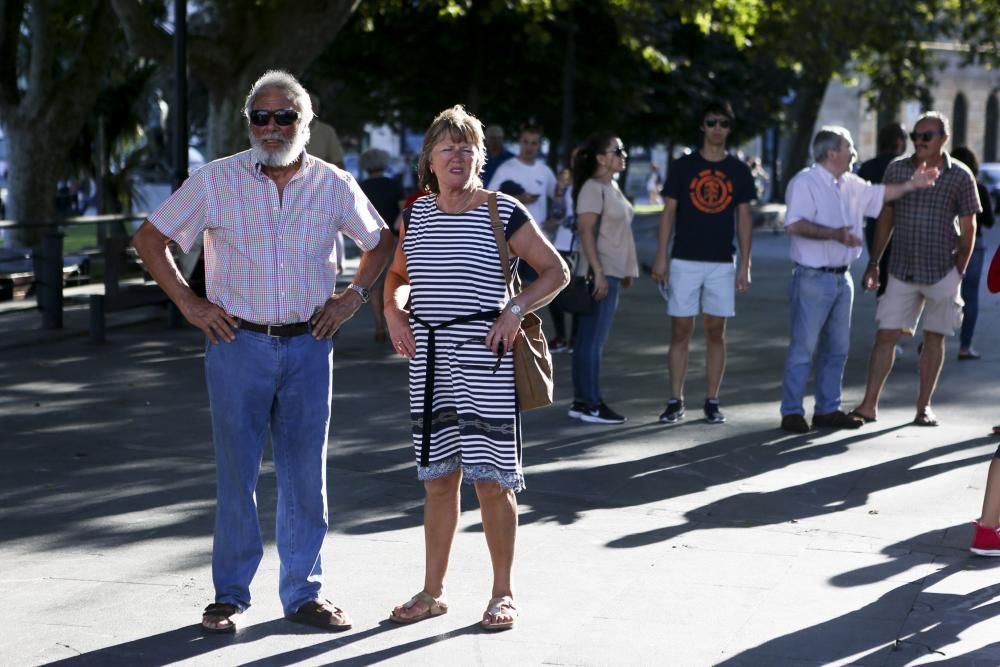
827,205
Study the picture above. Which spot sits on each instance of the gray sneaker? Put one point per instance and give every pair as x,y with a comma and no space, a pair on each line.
712,413
674,412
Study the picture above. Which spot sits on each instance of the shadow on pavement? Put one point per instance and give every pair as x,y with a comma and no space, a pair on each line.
934,624
814,498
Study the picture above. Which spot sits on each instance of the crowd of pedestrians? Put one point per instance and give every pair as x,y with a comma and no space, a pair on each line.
454,307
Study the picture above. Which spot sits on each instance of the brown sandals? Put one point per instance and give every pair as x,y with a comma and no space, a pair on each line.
435,607
319,614
220,610
499,606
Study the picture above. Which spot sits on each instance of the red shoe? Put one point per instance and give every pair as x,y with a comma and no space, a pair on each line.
986,541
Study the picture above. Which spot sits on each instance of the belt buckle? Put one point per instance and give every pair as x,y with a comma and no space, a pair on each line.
269,330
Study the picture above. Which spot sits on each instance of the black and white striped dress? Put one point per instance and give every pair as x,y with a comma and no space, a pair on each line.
454,269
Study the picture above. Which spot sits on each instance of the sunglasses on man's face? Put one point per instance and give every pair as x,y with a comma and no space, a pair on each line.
721,122
283,117
925,136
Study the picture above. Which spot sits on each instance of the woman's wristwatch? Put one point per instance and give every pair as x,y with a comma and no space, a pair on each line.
515,309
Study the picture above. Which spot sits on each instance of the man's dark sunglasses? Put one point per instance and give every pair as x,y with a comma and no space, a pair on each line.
925,136
283,117
721,122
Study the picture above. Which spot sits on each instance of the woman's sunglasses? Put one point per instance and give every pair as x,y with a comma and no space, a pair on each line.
721,122
283,117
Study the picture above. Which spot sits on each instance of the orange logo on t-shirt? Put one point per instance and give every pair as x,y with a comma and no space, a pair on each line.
711,191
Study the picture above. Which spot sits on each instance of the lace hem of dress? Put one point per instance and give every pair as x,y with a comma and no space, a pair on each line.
471,473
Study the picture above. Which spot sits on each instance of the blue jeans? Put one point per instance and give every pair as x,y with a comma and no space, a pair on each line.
260,386
821,327
589,346
970,295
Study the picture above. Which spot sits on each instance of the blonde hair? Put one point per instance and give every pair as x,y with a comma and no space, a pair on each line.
459,125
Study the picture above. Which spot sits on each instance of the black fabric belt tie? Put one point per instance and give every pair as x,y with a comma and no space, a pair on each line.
826,269
425,445
276,330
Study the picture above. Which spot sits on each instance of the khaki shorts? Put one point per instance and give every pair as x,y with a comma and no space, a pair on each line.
902,303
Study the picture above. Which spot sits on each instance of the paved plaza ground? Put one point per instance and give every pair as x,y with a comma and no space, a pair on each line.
734,544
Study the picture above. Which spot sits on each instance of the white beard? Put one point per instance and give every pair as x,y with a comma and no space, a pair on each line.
288,153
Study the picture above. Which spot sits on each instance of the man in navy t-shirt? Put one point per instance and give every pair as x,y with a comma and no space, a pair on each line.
706,207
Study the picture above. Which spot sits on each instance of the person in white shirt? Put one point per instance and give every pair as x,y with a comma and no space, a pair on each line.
827,205
532,174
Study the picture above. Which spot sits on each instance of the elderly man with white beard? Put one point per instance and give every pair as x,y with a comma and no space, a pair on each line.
270,216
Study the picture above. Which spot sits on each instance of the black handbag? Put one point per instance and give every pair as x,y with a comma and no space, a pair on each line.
577,297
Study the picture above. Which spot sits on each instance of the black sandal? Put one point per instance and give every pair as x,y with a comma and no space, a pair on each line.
226,611
319,613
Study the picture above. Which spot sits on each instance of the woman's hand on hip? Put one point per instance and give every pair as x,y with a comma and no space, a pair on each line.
503,333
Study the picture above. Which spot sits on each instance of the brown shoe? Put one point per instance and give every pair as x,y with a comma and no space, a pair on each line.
794,424
837,420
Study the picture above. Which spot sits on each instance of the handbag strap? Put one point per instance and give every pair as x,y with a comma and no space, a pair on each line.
501,243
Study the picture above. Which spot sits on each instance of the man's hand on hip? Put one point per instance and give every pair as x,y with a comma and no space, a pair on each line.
211,319
338,309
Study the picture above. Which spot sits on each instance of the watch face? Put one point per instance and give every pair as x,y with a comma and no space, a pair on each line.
362,292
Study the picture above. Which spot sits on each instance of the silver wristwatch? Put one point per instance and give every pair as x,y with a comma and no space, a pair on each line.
362,292
516,310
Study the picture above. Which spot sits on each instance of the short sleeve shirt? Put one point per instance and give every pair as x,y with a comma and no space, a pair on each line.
815,196
615,242
707,195
536,179
269,259
925,230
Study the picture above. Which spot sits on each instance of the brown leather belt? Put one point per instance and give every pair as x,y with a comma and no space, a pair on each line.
276,330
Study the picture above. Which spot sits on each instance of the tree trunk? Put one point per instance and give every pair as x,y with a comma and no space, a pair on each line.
227,129
235,47
34,170
805,110
43,121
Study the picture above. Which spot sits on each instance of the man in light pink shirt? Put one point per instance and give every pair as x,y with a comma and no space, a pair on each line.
827,205
270,217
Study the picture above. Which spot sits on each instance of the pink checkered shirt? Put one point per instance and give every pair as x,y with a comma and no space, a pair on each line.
269,260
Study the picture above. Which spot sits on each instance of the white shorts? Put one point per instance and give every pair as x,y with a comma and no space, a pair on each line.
902,303
701,287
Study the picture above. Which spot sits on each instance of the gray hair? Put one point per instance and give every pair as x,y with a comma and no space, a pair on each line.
941,119
281,80
829,139
374,159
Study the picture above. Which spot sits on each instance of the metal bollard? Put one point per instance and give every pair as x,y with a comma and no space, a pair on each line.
49,279
97,318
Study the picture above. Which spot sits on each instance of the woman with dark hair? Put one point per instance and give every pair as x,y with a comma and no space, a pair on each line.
450,313
970,283
607,250
387,196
